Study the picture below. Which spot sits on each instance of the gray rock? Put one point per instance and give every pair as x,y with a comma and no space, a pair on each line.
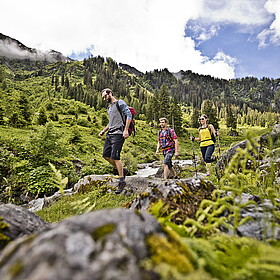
106,244
184,195
227,156
264,140
40,203
262,224
20,221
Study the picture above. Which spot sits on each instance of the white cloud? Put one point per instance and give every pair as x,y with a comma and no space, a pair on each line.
147,34
248,12
202,32
271,35
12,50
220,63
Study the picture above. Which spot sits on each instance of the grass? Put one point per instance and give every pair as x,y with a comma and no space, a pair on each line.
138,149
75,204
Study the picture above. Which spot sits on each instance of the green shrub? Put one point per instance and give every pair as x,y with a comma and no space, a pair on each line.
40,181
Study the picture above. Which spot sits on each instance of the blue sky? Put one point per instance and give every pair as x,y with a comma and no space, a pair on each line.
222,38
251,60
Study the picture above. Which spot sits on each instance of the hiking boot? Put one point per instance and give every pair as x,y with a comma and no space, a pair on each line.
120,187
125,172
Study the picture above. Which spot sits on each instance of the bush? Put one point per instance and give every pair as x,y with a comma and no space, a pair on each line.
40,182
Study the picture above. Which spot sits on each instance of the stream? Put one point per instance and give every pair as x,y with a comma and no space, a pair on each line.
150,169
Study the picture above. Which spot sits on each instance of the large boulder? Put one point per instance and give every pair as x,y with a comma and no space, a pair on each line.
106,244
17,222
269,139
227,156
262,224
274,136
184,195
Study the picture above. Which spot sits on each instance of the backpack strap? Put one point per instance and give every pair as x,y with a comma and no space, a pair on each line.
120,111
168,135
213,138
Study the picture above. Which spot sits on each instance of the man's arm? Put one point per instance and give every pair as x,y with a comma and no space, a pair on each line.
101,133
125,131
176,147
158,146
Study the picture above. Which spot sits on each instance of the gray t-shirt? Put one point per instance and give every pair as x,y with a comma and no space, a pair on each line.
116,124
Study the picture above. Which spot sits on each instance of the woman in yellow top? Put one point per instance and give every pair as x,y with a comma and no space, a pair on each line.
207,146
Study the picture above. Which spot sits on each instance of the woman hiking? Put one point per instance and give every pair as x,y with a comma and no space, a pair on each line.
206,136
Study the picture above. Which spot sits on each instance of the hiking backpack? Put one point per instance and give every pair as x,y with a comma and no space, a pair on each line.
131,128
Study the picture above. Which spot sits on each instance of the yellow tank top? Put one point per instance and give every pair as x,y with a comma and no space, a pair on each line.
205,137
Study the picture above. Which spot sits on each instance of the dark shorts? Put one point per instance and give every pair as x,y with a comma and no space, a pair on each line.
167,159
113,146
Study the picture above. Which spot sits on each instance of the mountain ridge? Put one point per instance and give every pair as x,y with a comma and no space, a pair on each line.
12,48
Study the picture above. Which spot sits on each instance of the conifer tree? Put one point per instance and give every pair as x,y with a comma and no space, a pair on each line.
208,108
25,110
194,118
231,120
164,102
42,117
149,110
176,115
67,83
156,106
1,115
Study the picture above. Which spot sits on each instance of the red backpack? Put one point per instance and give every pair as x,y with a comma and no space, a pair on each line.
131,128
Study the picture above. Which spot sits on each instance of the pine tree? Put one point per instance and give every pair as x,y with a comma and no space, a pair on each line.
2,113
231,120
176,115
25,110
164,102
156,106
194,118
42,117
208,108
67,83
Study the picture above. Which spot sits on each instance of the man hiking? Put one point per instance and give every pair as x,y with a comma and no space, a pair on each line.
117,132
168,142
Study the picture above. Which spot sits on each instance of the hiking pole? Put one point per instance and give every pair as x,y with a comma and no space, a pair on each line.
219,149
194,162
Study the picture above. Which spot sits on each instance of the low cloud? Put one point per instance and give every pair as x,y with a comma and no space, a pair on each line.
11,49
147,34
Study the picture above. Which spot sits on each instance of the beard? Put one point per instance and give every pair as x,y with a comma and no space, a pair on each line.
109,99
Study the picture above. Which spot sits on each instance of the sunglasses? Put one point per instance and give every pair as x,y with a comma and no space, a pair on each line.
107,93
104,96
201,119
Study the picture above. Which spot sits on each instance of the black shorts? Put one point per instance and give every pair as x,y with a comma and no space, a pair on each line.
113,146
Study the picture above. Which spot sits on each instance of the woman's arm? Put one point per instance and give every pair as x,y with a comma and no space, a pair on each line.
214,132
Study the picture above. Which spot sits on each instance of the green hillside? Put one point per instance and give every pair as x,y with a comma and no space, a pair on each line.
53,112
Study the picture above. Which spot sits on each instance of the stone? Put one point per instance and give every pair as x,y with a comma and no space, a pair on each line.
106,244
20,221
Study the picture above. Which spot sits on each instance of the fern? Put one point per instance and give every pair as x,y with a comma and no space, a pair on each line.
83,206
57,179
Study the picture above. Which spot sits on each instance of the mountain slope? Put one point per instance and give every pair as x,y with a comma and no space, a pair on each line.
12,48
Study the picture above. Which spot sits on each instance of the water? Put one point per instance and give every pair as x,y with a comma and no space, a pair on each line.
150,169
147,171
